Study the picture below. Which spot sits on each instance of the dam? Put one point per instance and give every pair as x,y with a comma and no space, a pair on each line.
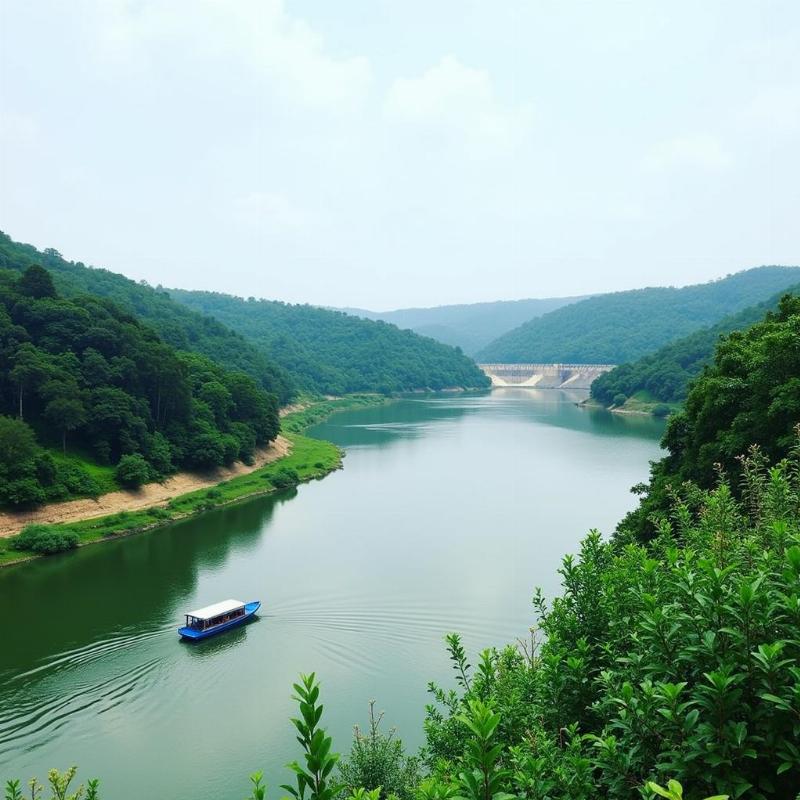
545,376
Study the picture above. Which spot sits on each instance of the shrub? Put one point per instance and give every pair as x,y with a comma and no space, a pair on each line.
285,477
378,761
132,471
77,480
157,512
22,493
619,400
661,410
45,539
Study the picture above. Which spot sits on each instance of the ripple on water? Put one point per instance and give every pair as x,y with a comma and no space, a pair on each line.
34,720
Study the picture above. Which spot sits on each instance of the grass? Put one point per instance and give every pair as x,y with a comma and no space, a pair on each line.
103,474
644,402
309,459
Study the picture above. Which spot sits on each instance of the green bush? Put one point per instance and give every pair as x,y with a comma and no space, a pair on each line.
44,539
76,480
132,471
378,761
661,410
619,400
285,477
22,493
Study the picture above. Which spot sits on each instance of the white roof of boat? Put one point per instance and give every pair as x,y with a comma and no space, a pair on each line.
216,609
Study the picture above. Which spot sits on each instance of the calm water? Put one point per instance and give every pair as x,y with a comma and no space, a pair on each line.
448,513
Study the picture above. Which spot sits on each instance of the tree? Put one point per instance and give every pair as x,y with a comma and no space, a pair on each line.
17,443
66,413
749,395
132,471
31,367
37,282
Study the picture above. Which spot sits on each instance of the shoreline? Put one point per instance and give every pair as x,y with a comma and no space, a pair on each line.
305,459
153,494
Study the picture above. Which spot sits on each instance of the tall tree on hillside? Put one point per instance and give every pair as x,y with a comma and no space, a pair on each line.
67,413
31,368
37,282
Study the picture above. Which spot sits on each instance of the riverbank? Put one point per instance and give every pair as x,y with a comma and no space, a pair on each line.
151,494
635,407
293,459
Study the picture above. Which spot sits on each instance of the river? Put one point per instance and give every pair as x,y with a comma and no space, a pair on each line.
447,514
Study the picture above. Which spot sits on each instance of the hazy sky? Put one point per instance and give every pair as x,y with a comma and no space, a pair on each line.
387,153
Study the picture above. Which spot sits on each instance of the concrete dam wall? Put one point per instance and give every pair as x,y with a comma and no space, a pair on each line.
545,376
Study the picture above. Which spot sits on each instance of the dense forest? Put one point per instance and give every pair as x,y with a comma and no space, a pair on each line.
333,353
284,347
749,396
81,371
624,326
468,326
668,667
665,374
177,325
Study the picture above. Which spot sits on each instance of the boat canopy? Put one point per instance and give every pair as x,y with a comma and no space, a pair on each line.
216,610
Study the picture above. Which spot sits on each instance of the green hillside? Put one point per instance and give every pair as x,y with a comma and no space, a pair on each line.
83,370
665,374
333,353
177,325
624,326
470,326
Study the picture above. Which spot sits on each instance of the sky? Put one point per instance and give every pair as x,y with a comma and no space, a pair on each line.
391,153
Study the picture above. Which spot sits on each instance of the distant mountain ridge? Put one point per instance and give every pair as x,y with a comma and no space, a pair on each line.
470,326
665,374
331,352
624,326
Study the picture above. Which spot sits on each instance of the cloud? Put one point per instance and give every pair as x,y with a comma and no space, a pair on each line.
702,151
459,103
259,35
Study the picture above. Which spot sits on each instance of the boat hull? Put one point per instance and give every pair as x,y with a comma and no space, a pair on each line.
192,635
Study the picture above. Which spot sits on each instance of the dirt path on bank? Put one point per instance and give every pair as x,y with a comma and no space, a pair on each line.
151,495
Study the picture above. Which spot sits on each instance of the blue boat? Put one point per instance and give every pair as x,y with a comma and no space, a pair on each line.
205,622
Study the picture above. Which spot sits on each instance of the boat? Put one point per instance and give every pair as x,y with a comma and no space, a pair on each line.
213,619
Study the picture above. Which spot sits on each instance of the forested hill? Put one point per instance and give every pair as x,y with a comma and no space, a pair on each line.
83,370
623,326
470,326
665,374
333,353
176,324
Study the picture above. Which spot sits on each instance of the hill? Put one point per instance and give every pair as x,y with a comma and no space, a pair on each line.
331,352
177,325
665,374
84,370
746,401
624,326
471,326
